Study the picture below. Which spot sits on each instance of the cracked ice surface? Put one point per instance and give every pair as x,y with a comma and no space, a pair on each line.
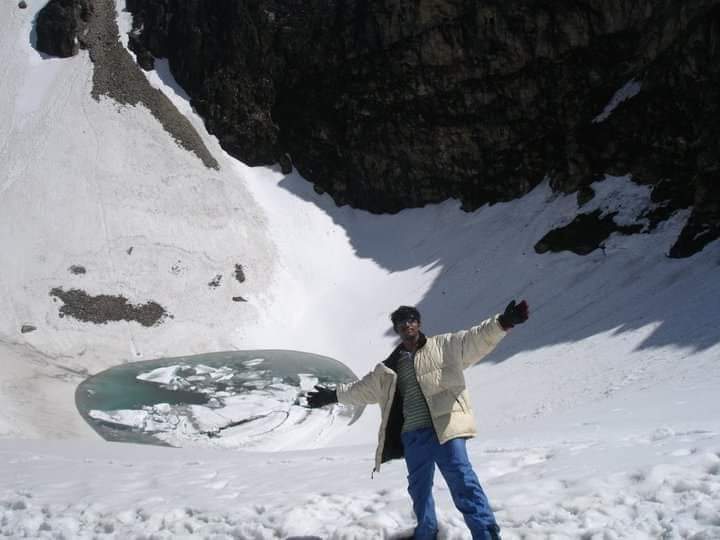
245,409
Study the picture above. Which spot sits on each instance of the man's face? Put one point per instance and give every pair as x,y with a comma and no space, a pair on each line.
408,329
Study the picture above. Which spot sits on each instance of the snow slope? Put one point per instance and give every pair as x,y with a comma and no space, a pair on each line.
598,418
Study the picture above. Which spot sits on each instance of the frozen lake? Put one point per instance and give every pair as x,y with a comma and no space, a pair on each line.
237,399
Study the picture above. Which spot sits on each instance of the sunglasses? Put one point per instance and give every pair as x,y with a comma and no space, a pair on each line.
408,321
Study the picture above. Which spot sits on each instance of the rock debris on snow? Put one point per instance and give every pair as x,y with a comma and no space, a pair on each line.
105,308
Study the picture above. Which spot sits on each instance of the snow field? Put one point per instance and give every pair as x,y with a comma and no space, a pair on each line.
562,489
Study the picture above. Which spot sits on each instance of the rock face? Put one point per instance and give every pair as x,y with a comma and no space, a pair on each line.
390,104
61,26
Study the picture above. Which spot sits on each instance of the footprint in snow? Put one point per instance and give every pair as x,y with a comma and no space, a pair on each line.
222,484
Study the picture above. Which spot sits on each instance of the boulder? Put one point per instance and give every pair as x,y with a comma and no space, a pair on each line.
61,26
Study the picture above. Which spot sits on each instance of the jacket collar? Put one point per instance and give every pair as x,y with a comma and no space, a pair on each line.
392,360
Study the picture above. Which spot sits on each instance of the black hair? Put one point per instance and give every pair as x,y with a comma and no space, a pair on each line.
403,313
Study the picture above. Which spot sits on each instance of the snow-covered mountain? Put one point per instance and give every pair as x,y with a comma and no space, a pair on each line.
598,418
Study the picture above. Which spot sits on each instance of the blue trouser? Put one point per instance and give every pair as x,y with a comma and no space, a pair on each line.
422,452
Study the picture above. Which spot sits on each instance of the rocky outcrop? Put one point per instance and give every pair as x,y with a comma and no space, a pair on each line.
61,26
585,234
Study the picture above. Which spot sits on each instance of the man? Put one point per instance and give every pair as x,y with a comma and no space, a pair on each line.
426,413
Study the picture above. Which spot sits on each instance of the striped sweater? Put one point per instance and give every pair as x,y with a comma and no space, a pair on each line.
415,409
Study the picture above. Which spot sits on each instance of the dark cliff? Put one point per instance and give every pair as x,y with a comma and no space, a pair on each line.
389,104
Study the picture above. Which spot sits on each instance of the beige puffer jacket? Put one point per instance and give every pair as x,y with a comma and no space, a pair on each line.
439,364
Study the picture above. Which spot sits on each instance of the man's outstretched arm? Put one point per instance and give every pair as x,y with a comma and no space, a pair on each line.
480,340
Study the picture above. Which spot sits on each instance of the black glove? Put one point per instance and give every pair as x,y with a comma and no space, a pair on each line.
514,314
323,396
